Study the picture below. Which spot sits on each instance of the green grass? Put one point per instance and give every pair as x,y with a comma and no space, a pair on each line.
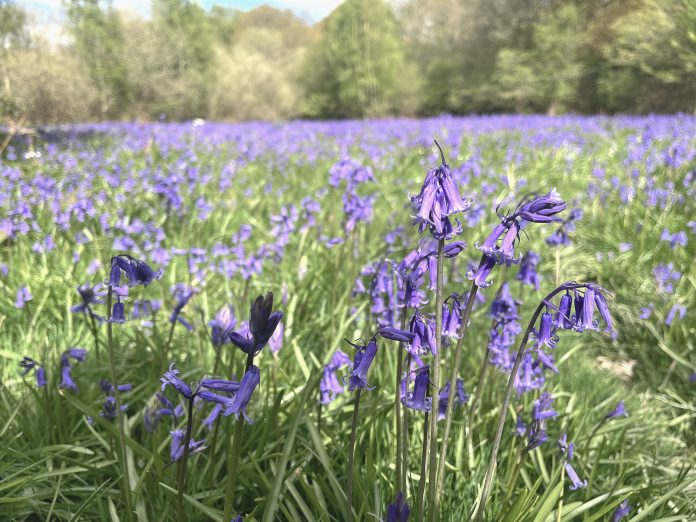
55,465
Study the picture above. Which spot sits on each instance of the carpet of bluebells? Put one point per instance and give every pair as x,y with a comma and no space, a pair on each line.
208,321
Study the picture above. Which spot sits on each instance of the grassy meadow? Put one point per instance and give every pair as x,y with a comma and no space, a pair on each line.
304,210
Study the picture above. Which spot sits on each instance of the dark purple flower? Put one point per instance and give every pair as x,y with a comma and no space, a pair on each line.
423,330
220,385
480,276
239,403
109,408
547,335
262,323
622,511
118,313
418,399
395,334
541,209
27,364
108,388
399,510
460,397
177,449
567,451
137,272
170,379
91,295
364,355
451,316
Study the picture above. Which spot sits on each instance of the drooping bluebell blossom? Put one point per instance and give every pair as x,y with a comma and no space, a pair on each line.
222,325
546,336
275,343
460,397
560,235
364,355
418,399
108,388
399,511
170,379
438,199
395,334
678,238
621,512
619,411
451,316
27,364
153,415
136,272
677,309
423,330
66,380
262,323
239,403
91,295
567,450
23,296
109,410
528,274
177,448
118,313
330,387
534,209
542,411
182,295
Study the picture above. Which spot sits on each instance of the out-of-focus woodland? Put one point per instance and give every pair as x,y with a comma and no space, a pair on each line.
368,58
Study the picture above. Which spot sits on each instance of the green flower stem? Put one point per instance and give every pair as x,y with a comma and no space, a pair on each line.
181,479
351,456
420,501
435,373
400,470
450,403
233,458
119,414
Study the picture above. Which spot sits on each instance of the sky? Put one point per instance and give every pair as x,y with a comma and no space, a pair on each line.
310,10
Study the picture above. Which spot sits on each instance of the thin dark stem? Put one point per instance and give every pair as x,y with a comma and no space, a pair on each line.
478,514
351,456
169,342
181,482
119,413
95,333
404,436
233,458
453,379
433,494
420,500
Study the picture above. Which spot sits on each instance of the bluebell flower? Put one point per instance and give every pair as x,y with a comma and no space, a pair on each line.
399,511
27,364
451,316
364,355
567,450
109,408
177,448
182,295
329,385
395,334
222,325
91,295
118,313
676,309
170,379
239,403
619,411
418,399
137,272
528,274
460,397
23,296
622,511
423,330
678,238
262,323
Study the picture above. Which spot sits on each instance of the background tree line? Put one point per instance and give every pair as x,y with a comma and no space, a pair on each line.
368,58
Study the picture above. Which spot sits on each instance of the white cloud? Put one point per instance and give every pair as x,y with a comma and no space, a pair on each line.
316,9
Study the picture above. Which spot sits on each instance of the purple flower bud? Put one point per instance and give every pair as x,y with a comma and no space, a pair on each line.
574,478
362,361
622,511
619,411
542,209
395,334
118,314
399,510
170,379
177,449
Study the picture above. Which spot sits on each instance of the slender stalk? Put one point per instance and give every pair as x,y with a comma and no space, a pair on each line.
119,414
420,501
181,479
453,379
439,301
169,342
351,456
404,437
95,333
233,458
560,499
478,514
400,473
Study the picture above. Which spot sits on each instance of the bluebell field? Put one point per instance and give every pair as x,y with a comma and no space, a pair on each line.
485,318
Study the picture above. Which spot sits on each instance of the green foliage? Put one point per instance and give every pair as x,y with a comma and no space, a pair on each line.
358,60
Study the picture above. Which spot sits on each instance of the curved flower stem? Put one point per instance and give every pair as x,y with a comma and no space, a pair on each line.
181,479
233,457
351,456
121,422
478,513
439,300
423,471
450,403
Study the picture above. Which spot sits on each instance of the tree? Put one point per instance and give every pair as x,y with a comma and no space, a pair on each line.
353,70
